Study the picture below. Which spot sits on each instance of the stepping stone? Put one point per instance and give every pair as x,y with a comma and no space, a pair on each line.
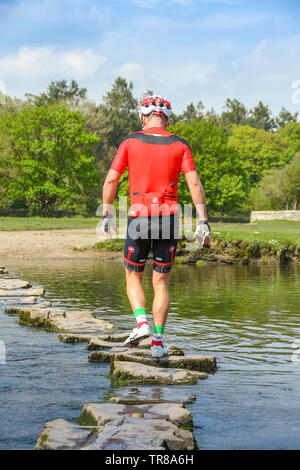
129,433
150,394
37,291
118,337
143,356
102,413
96,343
84,338
62,435
8,284
132,372
26,301
58,320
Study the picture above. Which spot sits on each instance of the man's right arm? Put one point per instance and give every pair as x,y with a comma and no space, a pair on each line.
198,196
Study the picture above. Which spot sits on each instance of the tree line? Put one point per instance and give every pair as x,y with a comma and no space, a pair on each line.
56,148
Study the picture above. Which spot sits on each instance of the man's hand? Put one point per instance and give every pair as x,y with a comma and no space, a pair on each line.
108,222
203,233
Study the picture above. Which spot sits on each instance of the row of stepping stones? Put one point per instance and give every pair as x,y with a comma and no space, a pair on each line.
119,423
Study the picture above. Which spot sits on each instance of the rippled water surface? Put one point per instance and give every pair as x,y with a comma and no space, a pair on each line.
247,316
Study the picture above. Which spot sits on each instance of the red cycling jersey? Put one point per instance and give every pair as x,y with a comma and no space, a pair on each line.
154,158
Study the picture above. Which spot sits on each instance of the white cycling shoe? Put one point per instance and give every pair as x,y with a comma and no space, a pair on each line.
159,351
137,335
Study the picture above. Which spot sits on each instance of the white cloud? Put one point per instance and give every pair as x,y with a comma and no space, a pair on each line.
32,63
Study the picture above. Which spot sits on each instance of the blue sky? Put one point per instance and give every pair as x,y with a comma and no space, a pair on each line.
187,50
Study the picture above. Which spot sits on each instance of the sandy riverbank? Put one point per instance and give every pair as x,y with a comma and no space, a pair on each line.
50,244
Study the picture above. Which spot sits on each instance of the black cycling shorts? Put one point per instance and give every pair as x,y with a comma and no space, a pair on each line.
157,232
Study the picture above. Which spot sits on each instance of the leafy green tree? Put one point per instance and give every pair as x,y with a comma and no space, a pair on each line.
259,151
192,113
292,171
223,177
235,113
280,189
117,117
47,155
284,117
291,132
260,117
59,91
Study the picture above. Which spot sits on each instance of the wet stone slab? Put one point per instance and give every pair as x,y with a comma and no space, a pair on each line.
196,362
96,343
100,414
125,372
62,435
9,284
129,433
34,291
58,320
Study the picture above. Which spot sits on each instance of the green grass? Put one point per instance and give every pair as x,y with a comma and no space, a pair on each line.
278,233
41,223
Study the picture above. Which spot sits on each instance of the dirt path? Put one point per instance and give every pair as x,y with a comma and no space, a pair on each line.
50,244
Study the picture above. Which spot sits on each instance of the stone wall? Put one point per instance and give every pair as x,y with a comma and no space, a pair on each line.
273,215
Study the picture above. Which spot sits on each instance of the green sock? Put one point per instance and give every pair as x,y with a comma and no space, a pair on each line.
158,332
140,316
158,329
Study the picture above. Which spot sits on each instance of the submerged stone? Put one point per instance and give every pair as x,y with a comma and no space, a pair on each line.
133,372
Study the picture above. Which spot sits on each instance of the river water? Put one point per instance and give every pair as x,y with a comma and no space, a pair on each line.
247,316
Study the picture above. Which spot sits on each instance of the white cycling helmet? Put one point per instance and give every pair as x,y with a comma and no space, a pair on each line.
156,105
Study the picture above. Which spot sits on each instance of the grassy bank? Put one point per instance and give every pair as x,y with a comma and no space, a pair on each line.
262,241
41,223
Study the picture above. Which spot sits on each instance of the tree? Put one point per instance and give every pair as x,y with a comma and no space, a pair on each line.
47,157
284,117
291,132
259,151
222,174
119,110
261,117
236,113
192,113
280,189
59,92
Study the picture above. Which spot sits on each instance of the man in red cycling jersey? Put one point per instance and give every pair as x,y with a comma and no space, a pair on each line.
154,158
